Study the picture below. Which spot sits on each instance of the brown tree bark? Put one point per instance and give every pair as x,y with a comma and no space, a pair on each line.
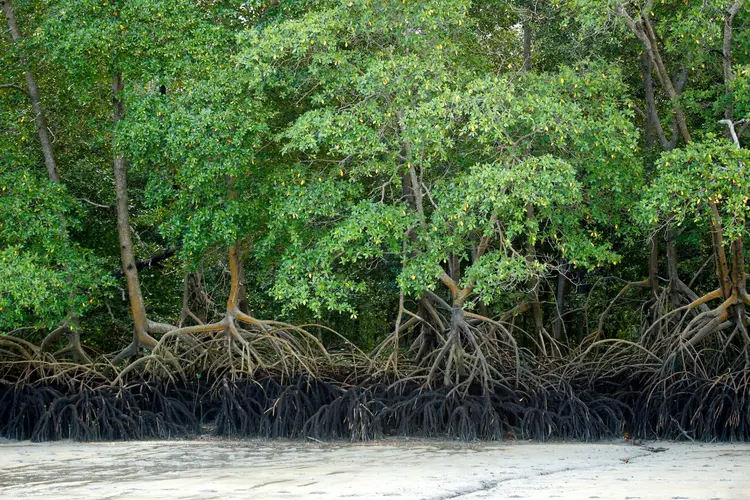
70,327
243,305
40,119
142,327
127,256
642,28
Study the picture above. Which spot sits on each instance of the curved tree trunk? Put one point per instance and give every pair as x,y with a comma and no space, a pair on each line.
141,325
707,321
732,285
39,117
561,292
69,328
230,324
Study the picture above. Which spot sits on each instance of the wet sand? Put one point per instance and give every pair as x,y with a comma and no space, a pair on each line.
399,469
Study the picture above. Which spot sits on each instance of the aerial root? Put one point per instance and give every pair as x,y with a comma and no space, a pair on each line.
633,284
480,353
585,403
707,322
696,408
228,349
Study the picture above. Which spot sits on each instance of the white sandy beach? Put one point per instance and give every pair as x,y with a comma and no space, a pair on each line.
403,469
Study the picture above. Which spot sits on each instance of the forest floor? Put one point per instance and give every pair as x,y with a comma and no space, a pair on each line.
394,468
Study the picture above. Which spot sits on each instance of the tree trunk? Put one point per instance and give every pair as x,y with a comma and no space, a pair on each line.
243,304
653,123
137,307
722,265
653,266
39,117
534,283
526,46
237,275
71,326
562,289
236,284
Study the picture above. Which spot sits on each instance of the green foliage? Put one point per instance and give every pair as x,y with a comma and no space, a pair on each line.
690,178
356,150
382,102
44,275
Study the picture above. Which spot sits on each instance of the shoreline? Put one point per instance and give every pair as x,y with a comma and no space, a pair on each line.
426,469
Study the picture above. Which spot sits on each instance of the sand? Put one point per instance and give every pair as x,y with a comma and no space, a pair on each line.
398,469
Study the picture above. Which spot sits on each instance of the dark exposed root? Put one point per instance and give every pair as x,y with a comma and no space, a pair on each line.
351,415
643,402
583,415
277,384
696,408
47,413
265,408
21,408
240,407
288,412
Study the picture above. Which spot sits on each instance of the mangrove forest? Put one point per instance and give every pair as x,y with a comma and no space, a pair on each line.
349,219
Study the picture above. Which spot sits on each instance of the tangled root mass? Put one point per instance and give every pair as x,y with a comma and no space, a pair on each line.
685,408
580,398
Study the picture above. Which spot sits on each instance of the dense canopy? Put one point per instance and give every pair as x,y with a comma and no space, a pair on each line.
462,195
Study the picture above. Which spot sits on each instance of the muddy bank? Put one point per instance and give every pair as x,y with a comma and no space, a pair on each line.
404,469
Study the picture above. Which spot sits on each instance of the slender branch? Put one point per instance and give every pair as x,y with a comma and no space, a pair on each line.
732,132
12,86
437,299
653,113
152,261
92,203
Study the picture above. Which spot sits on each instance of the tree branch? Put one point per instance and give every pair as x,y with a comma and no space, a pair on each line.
448,281
438,300
643,30
152,261
727,57
653,113
13,86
